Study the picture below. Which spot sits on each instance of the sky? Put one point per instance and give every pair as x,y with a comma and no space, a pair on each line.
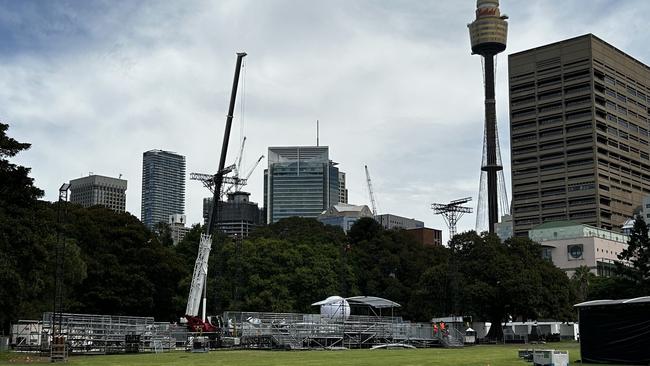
94,84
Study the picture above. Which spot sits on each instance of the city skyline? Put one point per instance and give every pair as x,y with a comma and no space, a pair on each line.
103,83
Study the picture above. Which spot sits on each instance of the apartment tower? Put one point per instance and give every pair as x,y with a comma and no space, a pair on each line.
163,186
579,133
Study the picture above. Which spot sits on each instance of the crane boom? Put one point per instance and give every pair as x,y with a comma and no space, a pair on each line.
201,265
253,168
240,157
370,192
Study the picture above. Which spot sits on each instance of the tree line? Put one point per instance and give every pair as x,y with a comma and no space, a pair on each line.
115,265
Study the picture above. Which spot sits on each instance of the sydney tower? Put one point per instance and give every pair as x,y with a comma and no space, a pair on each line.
488,34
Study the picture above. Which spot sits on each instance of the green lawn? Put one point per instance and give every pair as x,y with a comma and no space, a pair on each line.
477,355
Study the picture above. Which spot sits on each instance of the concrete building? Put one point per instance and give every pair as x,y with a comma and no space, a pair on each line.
504,228
163,186
645,209
343,191
177,227
570,245
389,221
426,236
299,181
237,217
344,215
579,134
99,190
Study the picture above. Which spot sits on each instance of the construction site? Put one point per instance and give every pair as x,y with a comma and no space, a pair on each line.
353,322
358,322
334,327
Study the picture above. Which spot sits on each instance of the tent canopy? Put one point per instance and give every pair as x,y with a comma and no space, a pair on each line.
375,302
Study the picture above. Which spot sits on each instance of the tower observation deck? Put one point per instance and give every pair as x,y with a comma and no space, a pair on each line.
488,35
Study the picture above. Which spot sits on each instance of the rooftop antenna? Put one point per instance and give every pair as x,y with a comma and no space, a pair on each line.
317,133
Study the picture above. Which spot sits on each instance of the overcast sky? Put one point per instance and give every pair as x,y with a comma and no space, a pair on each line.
94,84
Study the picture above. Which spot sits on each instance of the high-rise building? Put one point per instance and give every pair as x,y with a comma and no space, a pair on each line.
237,216
343,191
177,227
579,112
299,181
99,190
163,186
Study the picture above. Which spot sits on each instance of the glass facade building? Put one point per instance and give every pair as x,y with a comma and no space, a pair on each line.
299,181
163,186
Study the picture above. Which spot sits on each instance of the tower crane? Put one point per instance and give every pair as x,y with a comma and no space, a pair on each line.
200,273
240,157
370,192
235,181
257,163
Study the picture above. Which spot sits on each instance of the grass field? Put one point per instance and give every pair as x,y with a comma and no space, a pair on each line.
477,355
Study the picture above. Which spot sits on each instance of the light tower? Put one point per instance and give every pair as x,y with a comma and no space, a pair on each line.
452,212
488,34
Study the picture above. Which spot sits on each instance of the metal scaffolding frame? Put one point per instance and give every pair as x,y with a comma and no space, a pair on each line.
260,330
86,334
109,334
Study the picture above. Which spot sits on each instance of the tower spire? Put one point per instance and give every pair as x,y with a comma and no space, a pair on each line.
488,34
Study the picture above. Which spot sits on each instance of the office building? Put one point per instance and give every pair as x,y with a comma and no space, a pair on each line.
579,134
163,186
99,190
389,221
344,215
343,191
237,216
504,227
177,227
570,245
299,181
644,210
426,236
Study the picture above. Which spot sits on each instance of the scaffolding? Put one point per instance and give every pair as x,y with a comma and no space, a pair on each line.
109,334
307,331
85,334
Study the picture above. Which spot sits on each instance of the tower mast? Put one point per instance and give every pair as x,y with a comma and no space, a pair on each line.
488,34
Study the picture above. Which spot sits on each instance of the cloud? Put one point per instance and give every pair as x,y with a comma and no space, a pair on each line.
95,84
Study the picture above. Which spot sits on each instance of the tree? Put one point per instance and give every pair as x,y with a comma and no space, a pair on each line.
635,259
510,279
391,264
283,267
129,271
18,206
163,232
582,279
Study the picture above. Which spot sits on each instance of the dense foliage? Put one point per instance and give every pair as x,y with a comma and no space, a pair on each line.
632,277
115,265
